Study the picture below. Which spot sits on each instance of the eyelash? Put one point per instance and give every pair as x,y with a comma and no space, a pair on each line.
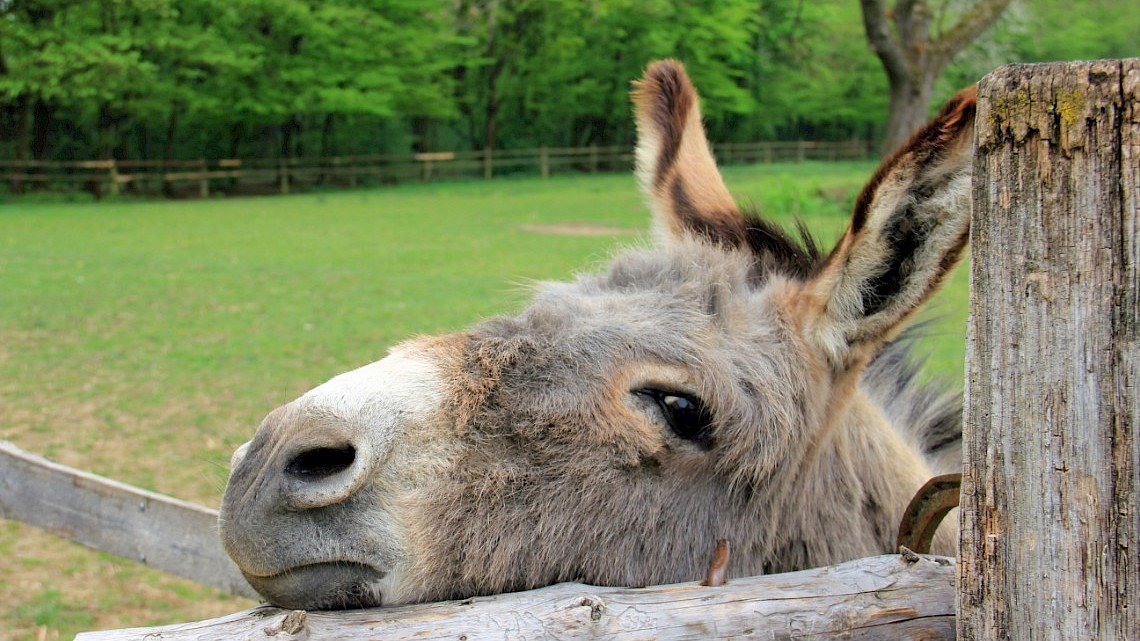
685,414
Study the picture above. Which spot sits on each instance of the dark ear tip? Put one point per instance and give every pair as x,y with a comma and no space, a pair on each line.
663,80
664,70
959,110
964,97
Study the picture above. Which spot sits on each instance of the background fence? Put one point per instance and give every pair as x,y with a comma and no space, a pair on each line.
203,177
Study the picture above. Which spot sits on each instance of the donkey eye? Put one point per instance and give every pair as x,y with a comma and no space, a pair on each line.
685,414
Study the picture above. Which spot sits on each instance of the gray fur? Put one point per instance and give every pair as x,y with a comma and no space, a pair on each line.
523,452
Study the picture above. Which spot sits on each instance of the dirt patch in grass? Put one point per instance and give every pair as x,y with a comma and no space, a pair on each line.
579,229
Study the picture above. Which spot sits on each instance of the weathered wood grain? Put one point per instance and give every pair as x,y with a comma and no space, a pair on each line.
1050,544
171,535
883,597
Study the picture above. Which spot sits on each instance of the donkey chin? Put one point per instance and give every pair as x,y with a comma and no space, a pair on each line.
323,586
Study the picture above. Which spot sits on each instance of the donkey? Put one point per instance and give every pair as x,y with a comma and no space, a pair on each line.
730,382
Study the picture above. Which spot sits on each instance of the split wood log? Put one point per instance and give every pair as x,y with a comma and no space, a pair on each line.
882,597
1050,545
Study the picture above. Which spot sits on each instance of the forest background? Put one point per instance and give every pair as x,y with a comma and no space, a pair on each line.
153,79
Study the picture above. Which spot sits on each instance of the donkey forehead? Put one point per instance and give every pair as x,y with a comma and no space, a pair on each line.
695,305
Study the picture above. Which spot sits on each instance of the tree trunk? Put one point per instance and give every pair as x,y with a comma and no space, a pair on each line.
327,128
168,147
913,57
907,110
105,134
142,141
1051,486
237,132
421,134
42,116
106,131
270,139
326,150
491,115
297,145
21,136
287,129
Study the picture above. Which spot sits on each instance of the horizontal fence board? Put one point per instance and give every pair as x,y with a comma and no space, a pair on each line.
138,176
165,533
44,178
882,597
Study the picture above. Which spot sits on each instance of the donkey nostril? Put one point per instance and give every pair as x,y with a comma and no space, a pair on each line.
321,462
322,476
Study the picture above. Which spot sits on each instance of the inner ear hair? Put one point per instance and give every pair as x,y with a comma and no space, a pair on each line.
908,231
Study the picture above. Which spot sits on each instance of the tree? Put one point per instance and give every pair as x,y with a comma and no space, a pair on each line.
919,47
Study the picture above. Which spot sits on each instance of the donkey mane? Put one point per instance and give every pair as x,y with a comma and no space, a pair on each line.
776,251
927,413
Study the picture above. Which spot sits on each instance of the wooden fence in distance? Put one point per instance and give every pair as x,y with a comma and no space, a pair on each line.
204,177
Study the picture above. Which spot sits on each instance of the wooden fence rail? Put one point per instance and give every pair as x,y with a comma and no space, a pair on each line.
891,596
205,177
877,598
156,530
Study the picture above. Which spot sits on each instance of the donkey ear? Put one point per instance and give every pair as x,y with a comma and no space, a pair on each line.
908,231
674,165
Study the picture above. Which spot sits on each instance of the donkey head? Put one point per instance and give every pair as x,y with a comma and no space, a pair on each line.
731,382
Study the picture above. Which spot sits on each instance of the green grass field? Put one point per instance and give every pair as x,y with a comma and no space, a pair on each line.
145,340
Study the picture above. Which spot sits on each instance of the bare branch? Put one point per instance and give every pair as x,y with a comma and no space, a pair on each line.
910,33
971,25
881,41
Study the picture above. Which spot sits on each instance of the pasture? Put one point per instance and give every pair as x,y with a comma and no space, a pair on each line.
144,341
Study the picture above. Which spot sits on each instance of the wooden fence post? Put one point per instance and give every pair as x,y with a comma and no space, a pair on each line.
1050,545
113,177
593,158
19,173
204,183
283,175
352,175
488,163
544,162
159,531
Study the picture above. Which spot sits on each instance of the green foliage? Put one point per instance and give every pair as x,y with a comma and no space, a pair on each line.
187,78
1047,30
